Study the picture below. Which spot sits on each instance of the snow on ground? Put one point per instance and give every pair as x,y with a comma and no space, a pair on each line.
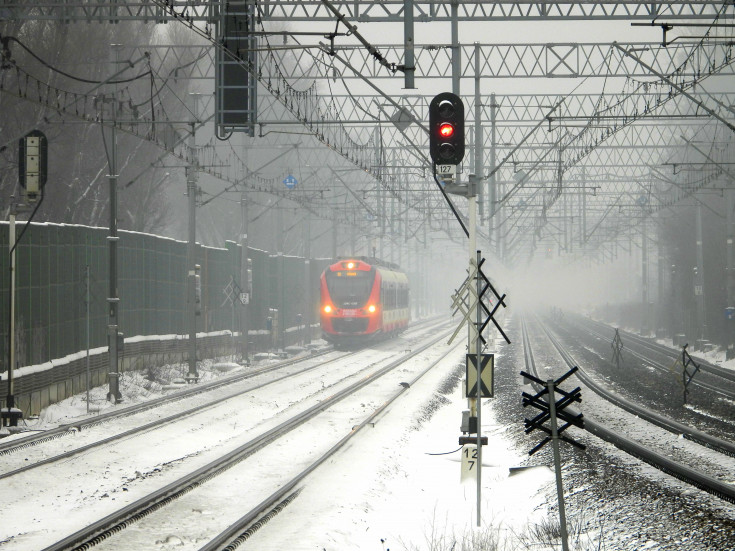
135,386
386,490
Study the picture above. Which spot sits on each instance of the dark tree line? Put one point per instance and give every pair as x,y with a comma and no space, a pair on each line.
703,183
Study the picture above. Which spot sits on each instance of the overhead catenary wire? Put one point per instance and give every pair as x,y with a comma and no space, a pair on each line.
359,149
6,39
372,50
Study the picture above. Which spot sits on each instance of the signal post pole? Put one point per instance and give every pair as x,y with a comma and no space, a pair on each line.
244,281
32,175
191,189
113,300
447,148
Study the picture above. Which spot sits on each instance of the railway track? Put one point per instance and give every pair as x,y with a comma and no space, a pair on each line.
647,376
661,358
119,519
201,409
652,457
658,348
188,393
257,517
11,445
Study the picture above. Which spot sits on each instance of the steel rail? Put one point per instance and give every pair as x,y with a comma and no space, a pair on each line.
24,442
104,528
681,472
704,365
66,429
171,418
659,366
690,433
249,523
185,413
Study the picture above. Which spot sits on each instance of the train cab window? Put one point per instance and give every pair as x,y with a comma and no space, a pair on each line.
350,291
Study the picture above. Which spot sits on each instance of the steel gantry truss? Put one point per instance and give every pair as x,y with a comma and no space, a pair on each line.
201,11
573,165
497,61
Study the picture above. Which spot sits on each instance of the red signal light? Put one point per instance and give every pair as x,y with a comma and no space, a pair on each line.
446,130
446,123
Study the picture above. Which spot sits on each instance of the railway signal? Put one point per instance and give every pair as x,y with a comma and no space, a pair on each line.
32,164
32,175
446,129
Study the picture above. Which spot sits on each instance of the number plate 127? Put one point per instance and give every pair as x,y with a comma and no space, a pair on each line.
469,463
446,170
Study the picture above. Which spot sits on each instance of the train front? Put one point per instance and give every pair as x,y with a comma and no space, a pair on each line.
350,302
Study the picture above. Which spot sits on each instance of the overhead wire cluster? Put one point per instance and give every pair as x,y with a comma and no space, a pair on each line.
640,99
647,97
319,114
152,125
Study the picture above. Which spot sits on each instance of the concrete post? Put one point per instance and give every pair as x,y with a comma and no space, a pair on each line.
730,270
699,280
191,190
113,300
244,283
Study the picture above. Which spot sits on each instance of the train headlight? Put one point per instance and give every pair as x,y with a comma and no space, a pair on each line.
371,308
327,308
350,265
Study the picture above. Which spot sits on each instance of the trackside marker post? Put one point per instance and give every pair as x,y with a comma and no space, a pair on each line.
32,175
617,348
690,369
546,402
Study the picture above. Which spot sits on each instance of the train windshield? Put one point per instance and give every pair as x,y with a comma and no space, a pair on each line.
350,291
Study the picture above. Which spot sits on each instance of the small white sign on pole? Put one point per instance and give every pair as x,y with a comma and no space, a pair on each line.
448,171
446,174
469,463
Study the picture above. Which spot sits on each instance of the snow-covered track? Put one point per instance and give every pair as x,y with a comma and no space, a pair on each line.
181,414
247,525
675,469
671,354
644,413
33,439
36,438
99,531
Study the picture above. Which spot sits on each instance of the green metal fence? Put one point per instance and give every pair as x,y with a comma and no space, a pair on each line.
51,289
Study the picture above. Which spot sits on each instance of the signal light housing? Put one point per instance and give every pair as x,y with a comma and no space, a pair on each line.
446,129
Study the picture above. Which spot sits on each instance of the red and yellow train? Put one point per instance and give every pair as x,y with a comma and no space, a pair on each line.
363,299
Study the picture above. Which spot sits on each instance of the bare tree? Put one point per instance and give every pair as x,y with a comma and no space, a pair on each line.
66,61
